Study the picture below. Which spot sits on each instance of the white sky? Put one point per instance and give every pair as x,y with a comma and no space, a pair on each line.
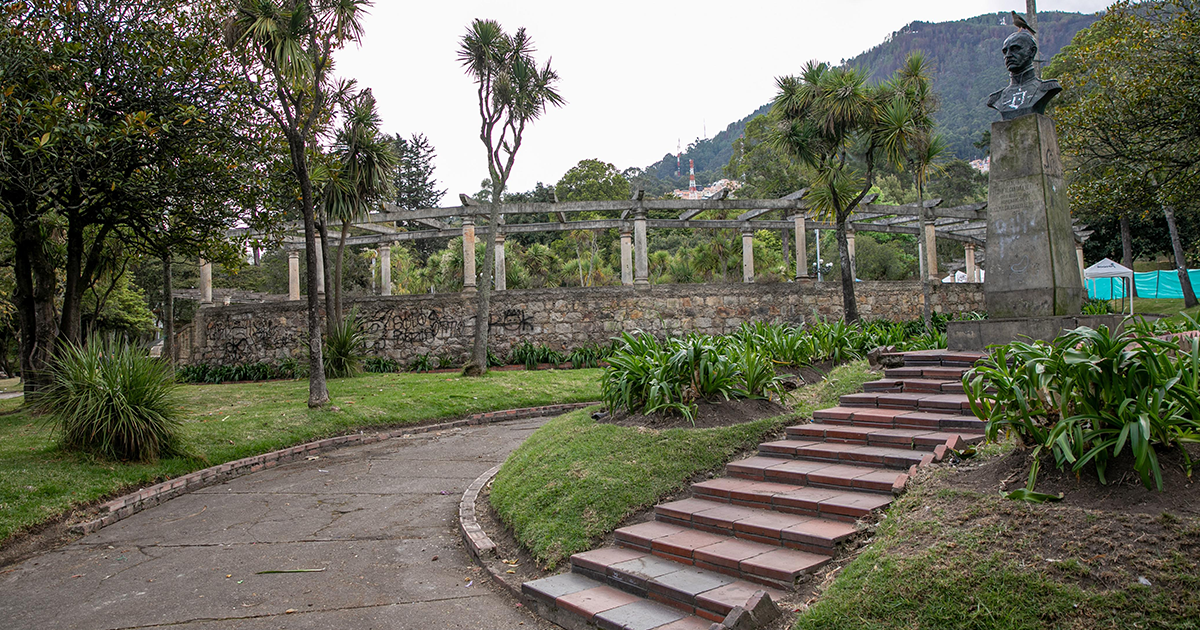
638,77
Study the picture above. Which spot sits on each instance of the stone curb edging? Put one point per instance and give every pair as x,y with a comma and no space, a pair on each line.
479,545
130,504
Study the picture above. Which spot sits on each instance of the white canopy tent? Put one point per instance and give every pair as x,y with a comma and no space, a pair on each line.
1110,269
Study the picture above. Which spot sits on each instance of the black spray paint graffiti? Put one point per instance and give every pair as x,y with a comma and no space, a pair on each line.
510,320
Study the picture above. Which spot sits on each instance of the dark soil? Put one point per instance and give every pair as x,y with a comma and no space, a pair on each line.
1099,537
721,412
1124,491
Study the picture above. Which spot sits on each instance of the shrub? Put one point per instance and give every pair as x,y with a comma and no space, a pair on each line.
112,400
1090,394
1093,306
421,363
530,356
381,365
345,347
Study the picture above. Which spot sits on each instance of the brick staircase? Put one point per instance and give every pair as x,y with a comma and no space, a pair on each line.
775,517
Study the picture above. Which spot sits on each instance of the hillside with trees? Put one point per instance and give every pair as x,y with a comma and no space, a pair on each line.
965,65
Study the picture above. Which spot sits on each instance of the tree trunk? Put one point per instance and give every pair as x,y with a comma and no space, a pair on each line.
1127,249
326,269
337,272
168,312
1189,296
478,366
849,305
318,393
34,292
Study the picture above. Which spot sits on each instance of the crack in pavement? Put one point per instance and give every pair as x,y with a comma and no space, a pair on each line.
295,613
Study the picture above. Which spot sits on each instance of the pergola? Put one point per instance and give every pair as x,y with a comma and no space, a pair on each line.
966,224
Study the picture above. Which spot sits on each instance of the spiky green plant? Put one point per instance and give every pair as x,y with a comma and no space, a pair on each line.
113,400
345,347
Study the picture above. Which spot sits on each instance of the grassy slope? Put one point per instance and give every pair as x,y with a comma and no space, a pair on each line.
575,480
1170,308
39,482
946,557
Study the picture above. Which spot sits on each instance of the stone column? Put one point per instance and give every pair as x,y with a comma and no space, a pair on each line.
385,269
468,244
205,282
801,248
294,276
641,266
320,267
1082,275
747,255
501,270
850,246
972,273
626,256
931,264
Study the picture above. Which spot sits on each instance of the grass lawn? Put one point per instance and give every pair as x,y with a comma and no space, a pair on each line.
39,481
947,557
575,480
11,385
1170,308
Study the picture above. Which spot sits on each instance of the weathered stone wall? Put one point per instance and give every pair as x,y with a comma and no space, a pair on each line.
403,327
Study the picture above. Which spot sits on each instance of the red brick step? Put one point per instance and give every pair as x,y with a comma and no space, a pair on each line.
745,559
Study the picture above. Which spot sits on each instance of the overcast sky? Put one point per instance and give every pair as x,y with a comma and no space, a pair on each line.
638,77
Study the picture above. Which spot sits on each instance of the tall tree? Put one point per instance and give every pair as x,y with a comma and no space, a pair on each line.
413,181
512,92
288,46
100,102
839,127
360,176
1136,76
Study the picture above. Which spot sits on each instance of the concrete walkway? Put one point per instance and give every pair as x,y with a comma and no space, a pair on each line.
378,521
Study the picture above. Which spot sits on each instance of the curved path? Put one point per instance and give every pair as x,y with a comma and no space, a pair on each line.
379,521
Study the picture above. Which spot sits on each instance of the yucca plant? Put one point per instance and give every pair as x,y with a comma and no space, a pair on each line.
345,347
112,400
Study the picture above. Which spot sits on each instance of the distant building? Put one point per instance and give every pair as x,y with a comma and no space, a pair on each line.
709,191
983,165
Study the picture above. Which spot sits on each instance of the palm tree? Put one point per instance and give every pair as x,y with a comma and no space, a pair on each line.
512,92
360,176
286,47
819,114
839,128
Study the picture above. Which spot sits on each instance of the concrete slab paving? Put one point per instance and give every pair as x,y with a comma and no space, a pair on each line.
378,521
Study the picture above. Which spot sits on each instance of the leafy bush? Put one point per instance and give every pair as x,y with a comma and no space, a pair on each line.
589,356
1091,393
650,376
345,347
530,356
381,365
112,400
1093,306
205,373
421,363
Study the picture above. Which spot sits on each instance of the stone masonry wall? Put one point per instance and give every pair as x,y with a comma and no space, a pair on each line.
403,327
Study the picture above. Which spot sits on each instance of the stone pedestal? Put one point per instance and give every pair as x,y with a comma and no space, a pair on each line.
1032,269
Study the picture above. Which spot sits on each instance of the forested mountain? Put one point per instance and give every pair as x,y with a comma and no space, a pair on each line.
966,64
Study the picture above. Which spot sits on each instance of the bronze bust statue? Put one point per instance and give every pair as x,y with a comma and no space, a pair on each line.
1026,93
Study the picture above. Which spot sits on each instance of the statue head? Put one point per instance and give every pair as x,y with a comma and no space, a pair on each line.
1019,50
